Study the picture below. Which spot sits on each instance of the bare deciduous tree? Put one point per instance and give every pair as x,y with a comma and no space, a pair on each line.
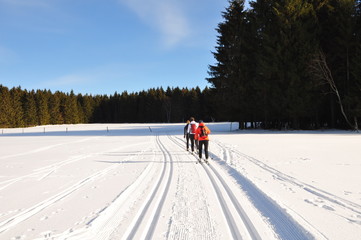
320,70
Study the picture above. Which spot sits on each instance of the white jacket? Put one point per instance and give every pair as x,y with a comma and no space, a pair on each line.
190,126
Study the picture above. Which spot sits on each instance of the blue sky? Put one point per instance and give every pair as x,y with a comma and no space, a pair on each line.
103,46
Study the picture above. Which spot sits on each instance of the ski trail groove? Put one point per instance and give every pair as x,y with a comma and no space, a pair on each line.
284,225
251,229
102,226
41,149
354,207
46,171
249,225
161,203
149,230
191,219
230,220
29,212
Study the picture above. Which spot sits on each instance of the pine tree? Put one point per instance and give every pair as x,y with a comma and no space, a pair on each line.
17,114
337,43
352,40
296,41
29,106
228,75
87,104
41,98
54,108
70,106
5,107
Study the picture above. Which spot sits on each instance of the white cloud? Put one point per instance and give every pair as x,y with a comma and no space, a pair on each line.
166,15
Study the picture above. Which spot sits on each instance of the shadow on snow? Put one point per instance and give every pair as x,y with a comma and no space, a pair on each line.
282,223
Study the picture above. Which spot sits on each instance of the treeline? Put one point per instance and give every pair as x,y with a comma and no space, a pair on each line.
279,64
23,108
289,64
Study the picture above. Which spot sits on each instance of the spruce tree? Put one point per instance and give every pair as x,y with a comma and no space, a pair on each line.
55,108
70,104
5,107
30,109
41,98
296,41
17,114
87,104
228,76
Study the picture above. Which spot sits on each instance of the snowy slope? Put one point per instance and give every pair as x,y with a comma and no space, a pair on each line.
137,181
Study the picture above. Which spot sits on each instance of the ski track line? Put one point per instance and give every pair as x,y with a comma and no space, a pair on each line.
285,226
230,220
165,193
181,145
250,227
46,148
203,220
51,168
48,170
309,188
27,213
102,226
48,202
227,214
44,172
151,225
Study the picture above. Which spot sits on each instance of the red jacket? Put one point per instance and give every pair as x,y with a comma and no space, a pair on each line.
199,131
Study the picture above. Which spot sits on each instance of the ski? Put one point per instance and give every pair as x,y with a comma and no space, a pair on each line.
199,160
195,155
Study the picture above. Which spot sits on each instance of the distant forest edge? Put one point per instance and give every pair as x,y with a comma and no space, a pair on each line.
289,64
23,108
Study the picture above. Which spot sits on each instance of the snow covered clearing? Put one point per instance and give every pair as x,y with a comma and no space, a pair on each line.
137,181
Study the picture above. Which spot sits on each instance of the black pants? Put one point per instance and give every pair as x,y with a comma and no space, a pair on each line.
187,140
193,142
205,143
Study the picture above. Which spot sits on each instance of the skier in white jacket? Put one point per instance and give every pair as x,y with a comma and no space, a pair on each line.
192,127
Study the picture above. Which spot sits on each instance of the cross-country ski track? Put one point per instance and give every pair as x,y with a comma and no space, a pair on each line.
143,185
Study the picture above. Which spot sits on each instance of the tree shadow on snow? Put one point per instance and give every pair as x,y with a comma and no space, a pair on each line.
282,222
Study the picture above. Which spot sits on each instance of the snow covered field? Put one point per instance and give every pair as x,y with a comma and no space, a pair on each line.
136,181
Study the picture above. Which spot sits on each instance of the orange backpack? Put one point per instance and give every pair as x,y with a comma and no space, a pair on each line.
203,132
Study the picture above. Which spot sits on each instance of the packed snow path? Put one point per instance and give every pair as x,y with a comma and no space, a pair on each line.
139,182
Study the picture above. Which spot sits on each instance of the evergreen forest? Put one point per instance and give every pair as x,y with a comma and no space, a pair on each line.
280,64
289,64
23,108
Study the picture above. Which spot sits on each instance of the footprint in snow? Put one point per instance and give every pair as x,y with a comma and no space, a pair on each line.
19,237
328,208
310,202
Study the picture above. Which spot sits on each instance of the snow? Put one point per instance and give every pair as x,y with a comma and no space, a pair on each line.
137,181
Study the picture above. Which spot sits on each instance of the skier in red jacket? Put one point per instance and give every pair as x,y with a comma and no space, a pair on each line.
202,133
